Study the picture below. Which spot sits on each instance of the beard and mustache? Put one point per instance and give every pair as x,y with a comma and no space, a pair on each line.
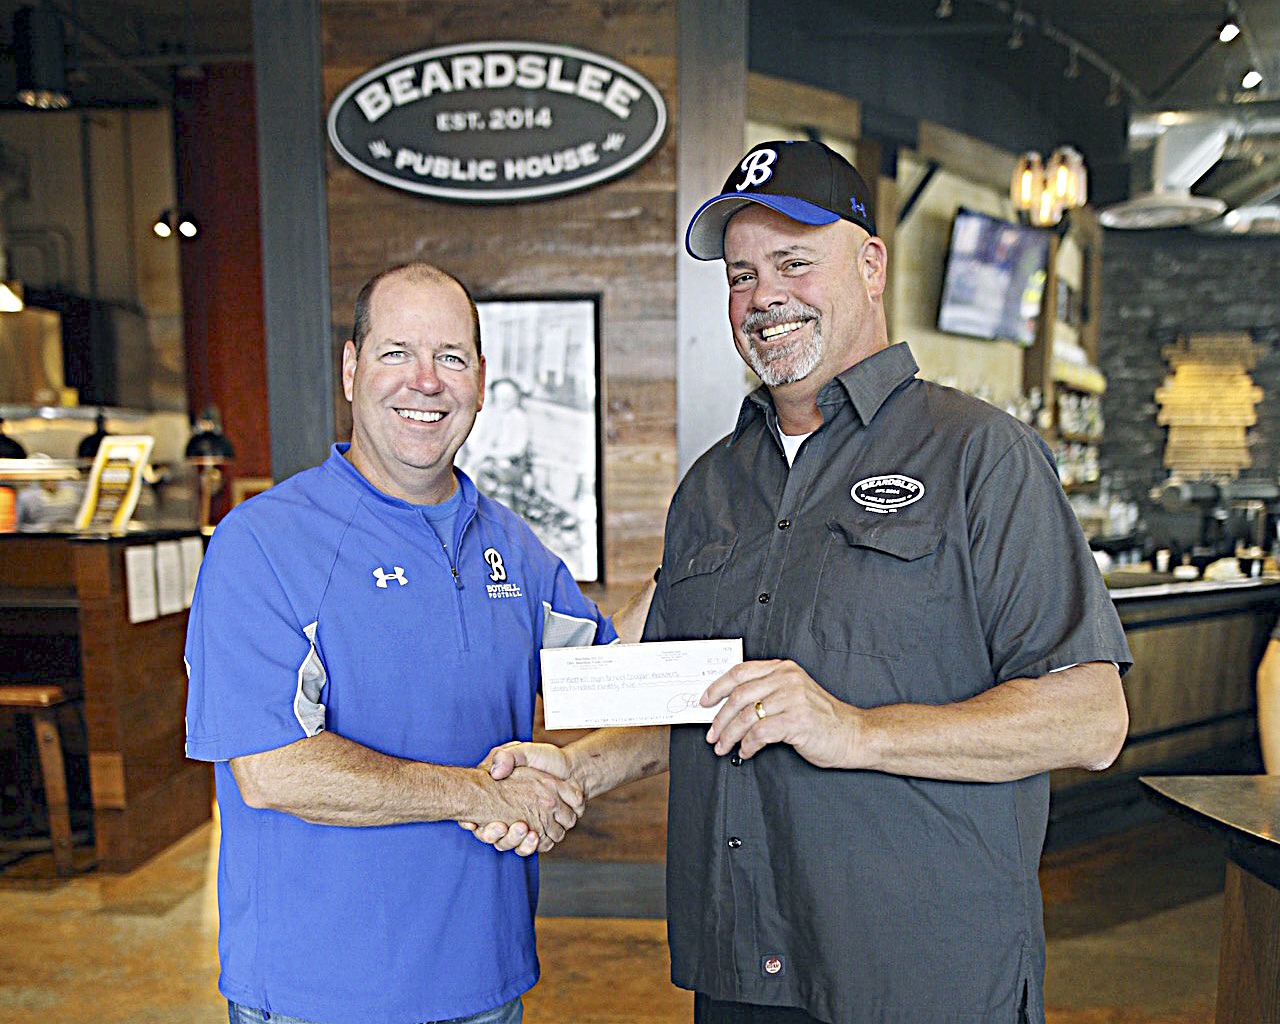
791,359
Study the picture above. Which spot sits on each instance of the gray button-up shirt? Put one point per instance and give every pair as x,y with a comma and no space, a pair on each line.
919,550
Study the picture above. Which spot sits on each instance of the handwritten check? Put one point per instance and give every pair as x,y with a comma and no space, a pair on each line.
633,684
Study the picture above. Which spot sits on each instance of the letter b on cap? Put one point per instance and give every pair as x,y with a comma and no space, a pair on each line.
758,167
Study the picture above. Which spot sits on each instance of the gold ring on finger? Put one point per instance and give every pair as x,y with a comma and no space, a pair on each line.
760,711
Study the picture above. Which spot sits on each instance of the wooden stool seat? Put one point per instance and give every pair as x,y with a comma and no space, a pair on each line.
21,697
42,702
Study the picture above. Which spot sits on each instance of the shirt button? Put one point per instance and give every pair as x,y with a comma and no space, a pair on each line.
784,524
763,598
736,760
734,842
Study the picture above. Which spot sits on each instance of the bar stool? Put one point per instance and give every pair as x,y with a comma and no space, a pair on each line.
42,702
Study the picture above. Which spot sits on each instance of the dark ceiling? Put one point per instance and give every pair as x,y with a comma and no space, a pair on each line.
1091,69
1088,68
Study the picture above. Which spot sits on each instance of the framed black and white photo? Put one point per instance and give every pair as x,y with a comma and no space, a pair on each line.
536,443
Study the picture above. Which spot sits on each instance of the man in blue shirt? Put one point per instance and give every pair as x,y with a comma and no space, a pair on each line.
361,636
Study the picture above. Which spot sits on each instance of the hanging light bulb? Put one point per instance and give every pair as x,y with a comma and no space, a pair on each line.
11,297
1048,211
1252,79
1065,178
187,226
1028,182
1229,30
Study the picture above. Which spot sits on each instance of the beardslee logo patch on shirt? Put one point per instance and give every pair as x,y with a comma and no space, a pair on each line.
887,493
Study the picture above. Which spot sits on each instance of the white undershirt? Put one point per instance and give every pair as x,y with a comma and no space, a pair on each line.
791,444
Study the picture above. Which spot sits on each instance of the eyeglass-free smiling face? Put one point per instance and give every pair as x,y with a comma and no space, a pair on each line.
415,387
801,297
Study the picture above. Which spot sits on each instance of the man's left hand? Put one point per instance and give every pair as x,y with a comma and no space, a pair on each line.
779,702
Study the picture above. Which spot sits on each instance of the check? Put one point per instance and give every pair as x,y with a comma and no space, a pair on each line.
633,684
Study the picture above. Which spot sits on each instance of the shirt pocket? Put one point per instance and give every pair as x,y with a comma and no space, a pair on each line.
694,583
874,584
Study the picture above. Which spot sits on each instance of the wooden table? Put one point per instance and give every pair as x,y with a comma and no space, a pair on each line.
64,612
1245,810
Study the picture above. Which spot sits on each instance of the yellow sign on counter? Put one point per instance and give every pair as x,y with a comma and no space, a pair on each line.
114,482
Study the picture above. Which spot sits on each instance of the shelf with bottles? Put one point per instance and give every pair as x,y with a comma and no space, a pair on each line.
1078,417
1078,464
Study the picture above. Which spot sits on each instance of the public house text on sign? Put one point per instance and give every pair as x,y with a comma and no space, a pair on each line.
497,122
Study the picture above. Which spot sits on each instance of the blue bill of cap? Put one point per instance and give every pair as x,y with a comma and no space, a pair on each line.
704,239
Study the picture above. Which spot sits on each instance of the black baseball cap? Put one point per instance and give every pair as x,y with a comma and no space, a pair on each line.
805,181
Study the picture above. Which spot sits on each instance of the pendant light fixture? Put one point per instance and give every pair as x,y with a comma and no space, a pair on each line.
1045,191
39,52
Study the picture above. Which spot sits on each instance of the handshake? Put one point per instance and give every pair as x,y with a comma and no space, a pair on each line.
530,798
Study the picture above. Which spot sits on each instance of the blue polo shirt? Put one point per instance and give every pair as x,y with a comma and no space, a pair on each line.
326,604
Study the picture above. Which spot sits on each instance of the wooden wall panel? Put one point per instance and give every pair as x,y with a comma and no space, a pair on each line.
617,240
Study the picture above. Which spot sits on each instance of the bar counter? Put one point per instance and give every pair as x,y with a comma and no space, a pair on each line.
1191,693
64,618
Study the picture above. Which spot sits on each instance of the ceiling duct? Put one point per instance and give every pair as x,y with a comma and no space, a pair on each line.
1184,146
1182,154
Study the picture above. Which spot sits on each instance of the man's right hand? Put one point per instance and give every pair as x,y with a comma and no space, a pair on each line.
537,802
503,763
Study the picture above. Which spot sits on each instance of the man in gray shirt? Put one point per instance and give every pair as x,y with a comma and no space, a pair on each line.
855,840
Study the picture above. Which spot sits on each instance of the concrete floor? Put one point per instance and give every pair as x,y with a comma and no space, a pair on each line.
1133,924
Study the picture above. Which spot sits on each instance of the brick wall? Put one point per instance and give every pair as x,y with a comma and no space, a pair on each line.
1157,285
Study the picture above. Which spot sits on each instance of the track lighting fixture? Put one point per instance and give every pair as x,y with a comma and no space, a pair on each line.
1072,70
1252,79
1230,27
168,222
1113,94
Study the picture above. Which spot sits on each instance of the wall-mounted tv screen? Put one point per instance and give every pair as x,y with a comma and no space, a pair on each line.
995,278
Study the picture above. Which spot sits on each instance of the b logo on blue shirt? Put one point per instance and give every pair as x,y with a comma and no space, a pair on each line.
498,571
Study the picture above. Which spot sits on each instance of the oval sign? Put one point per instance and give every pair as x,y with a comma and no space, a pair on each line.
887,493
497,122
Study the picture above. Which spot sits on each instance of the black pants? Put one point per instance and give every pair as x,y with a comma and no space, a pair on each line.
716,1011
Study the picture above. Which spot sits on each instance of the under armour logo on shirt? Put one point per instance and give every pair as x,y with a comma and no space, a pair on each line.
758,167
383,576
498,571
